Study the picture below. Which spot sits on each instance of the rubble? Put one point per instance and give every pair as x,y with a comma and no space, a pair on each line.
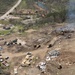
4,61
27,60
60,66
1,58
6,58
42,66
69,28
48,58
54,53
7,28
15,41
21,42
15,71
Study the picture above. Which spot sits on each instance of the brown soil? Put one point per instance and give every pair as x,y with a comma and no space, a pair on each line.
65,46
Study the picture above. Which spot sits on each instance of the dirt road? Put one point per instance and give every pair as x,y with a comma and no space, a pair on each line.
34,52
7,13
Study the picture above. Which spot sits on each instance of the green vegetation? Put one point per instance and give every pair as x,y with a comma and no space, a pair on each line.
4,32
26,4
23,5
57,10
6,4
56,13
5,22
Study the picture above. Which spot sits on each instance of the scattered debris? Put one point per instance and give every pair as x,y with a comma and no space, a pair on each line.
21,42
7,28
48,58
15,41
6,58
4,61
1,58
37,46
60,66
15,71
42,66
54,53
27,60
68,36
70,28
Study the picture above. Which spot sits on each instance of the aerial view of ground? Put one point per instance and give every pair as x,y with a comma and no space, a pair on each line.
37,37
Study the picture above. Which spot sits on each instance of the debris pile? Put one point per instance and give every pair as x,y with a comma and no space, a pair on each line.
52,54
28,60
15,71
15,41
70,28
42,66
4,61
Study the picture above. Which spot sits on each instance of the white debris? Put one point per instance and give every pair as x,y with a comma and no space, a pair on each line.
21,42
48,58
1,59
15,71
6,64
42,66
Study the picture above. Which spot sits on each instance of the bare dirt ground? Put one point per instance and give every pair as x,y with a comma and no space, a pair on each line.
65,46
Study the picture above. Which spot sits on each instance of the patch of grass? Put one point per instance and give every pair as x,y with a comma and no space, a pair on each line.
26,4
4,32
18,27
4,22
22,5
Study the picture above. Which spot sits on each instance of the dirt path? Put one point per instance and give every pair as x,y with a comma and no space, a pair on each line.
40,52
